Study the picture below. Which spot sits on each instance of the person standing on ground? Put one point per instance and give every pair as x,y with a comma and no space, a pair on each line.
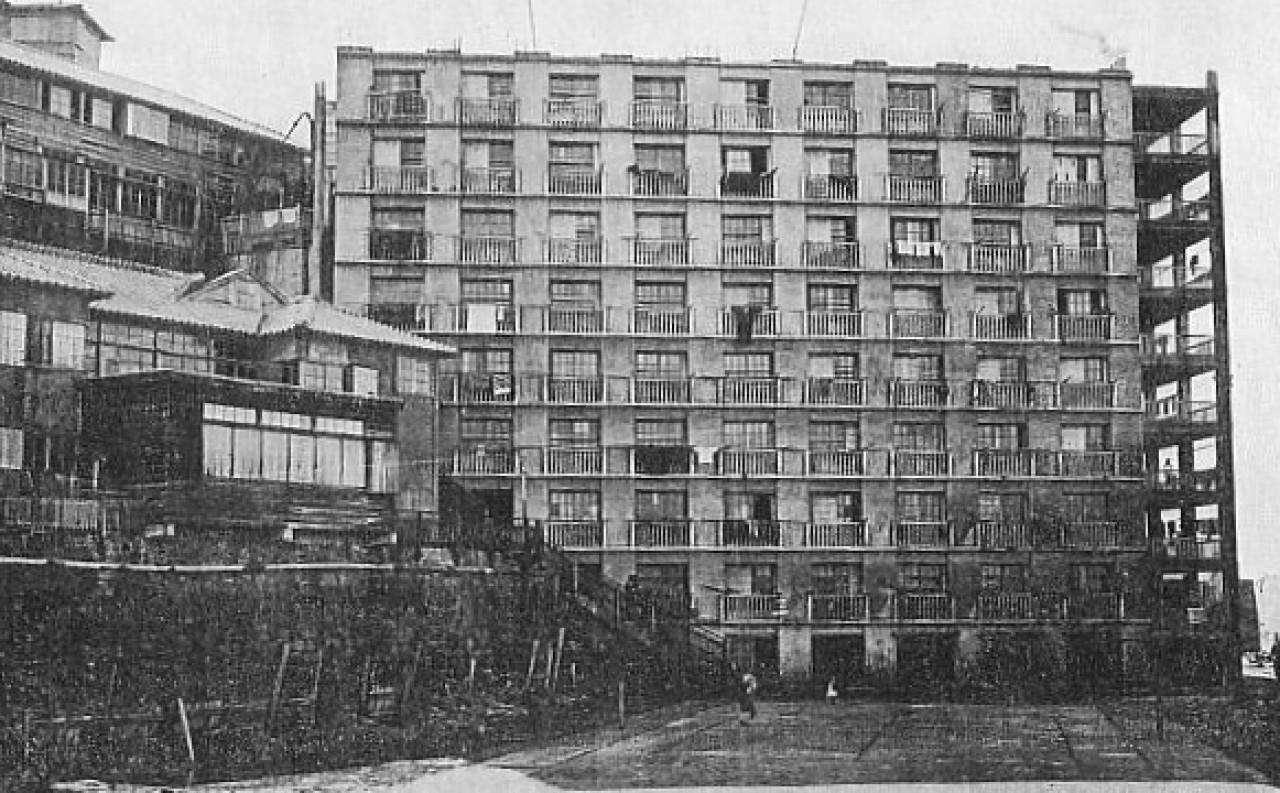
747,697
1275,658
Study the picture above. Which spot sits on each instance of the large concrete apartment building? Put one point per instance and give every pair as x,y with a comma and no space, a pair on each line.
853,358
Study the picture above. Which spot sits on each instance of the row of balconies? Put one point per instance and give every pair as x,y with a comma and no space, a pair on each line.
689,391
413,245
685,533
932,607
825,188
662,115
802,463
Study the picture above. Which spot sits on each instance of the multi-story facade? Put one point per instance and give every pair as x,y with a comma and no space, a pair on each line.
846,354
104,164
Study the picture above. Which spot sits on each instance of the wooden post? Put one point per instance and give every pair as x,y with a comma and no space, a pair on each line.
546,673
276,689
111,690
533,662
26,735
622,704
315,686
186,731
365,676
471,673
555,674
408,682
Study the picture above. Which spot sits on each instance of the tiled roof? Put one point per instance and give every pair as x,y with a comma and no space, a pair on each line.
320,317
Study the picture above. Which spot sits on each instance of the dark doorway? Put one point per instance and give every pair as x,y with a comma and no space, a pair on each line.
926,664
840,657
476,518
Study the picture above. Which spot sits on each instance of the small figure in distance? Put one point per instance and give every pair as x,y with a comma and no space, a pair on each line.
832,694
747,697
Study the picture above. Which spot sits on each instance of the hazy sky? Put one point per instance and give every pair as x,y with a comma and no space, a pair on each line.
260,59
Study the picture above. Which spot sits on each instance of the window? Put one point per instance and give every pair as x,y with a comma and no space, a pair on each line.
1002,507
413,153
1002,436
575,294
831,230
755,579
1077,168
658,89
482,223
992,100
660,432
11,447
484,432
834,436
25,168
836,507
385,290
1082,302
494,154
918,436
573,86
918,367
918,577
1075,102
753,160
747,229
574,432
660,159
363,381
750,506
1083,370
60,100
748,434
998,301
828,94
661,505
748,364
913,164
414,376
486,291
673,365
1080,235
660,294
829,297
1091,577
65,176
583,226
1085,437
388,81
492,361
484,85
910,97
914,229
749,295
660,227
566,156
13,338
999,369
404,219
1086,507
1003,233
836,578
844,366
574,505
995,167
578,364
1004,577
18,90
57,344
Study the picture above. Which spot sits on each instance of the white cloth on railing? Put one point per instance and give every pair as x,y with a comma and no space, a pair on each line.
706,454
483,317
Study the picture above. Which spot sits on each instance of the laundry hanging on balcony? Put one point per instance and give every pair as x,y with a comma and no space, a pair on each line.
744,321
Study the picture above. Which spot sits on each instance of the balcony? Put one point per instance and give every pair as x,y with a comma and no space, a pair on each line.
754,391
912,462
573,250
573,533
910,122
399,245
907,255
994,126
743,533
1090,535
94,516
572,113
489,181
922,607
1020,606
661,533
838,324
995,191
1077,194
1082,261
919,393
752,608
740,118
1189,351
831,187
999,259
659,184
1001,327
485,112
1173,209
484,461
909,323
574,390
1012,395
1000,535
1074,126
914,189
408,317
1095,606
750,254
411,105
563,461
1084,328
829,119
668,252
1005,463
1172,481
575,181
1182,414
488,250
651,321
837,608
747,185
1087,395
837,463
412,181
1173,144
837,391
1090,464
1187,548
659,115
478,389
748,322
661,391
482,318
749,462
574,321
831,255
844,534
922,534
677,460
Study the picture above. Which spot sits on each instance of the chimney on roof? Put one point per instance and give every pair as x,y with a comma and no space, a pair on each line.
67,31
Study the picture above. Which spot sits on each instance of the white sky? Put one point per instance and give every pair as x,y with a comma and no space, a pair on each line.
260,59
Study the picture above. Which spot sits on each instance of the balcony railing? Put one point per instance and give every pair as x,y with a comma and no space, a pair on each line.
660,252
1169,480
410,105
1002,126
921,607
416,180
577,321
660,115
659,184
1089,261
97,516
838,463
651,321
748,533
1178,347
1001,327
753,390
470,389
1097,534
748,322
845,534
1190,548
574,533
842,324
574,390
469,318
400,245
829,119
847,392
915,189
662,533
838,608
919,393
831,255
1085,328
749,254
1077,194
911,462
1000,535
1173,143
907,255
567,460
1087,396
907,323
1197,276
749,462
1000,463
1180,410
489,181
1012,395
482,460
1095,606
752,608
995,191
747,185
1174,209
988,258
922,534
572,113
909,121
1020,606
1090,465
488,250
743,117
575,181
661,391
662,460
831,187
484,112
573,250
1073,125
